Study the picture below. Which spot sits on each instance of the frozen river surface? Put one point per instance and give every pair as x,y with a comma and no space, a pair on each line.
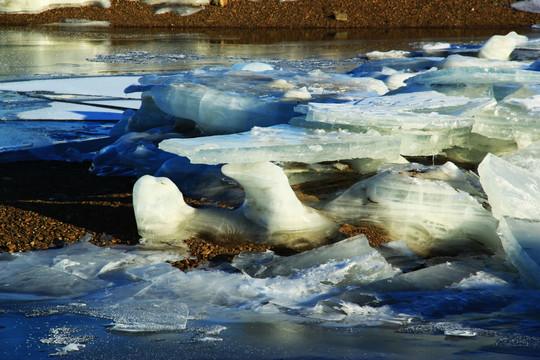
459,280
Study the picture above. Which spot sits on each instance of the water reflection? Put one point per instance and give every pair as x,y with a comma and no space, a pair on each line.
53,50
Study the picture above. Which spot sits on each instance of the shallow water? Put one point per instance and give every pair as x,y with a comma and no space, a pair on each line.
126,303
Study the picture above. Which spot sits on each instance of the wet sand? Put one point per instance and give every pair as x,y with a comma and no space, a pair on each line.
299,14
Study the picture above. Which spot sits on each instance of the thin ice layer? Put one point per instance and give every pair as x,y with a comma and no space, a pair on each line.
432,209
283,143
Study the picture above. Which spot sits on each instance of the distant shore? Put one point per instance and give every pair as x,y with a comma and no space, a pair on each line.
298,14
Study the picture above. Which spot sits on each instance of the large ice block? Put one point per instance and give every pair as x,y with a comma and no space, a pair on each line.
500,47
218,112
512,190
434,209
425,124
514,196
283,143
271,212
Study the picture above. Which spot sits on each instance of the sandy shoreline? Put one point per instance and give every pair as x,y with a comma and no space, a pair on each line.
299,14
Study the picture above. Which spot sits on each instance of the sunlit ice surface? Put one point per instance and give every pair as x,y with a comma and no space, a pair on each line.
459,278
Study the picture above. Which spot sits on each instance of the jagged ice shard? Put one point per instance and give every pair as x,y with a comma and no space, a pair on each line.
514,195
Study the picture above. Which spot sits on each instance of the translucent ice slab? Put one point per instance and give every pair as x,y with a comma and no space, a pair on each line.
512,190
521,242
284,143
222,100
218,112
474,81
514,196
528,158
426,123
435,209
355,262
515,117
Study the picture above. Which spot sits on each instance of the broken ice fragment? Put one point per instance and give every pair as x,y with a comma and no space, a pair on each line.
521,242
353,260
431,208
512,190
284,143
500,47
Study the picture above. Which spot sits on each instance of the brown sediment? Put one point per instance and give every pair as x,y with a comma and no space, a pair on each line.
203,249
300,14
375,235
45,204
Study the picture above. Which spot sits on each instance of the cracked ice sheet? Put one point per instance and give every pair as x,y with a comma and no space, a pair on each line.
283,143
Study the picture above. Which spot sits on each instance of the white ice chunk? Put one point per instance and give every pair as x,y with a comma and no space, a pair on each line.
458,61
270,202
432,210
36,6
500,47
283,143
362,263
475,75
217,111
178,10
512,190
271,211
177,2
378,55
257,67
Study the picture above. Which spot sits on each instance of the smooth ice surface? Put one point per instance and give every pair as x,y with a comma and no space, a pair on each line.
228,105
283,143
35,6
432,209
